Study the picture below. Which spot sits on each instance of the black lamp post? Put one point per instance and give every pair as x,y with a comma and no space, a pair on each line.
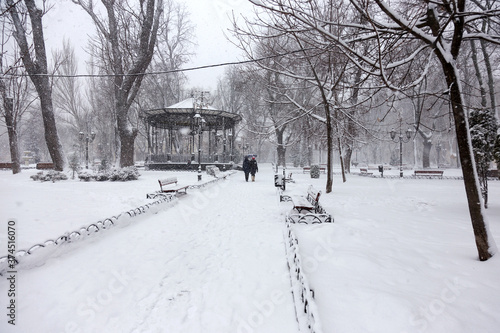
401,139
199,124
89,138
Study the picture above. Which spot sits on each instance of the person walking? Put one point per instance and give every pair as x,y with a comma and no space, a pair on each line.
253,167
246,167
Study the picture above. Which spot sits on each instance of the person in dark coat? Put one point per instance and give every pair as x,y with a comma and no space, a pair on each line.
246,167
253,167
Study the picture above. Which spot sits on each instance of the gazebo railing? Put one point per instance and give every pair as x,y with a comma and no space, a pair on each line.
184,158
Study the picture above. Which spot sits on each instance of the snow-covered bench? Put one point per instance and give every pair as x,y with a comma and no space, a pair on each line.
364,172
308,169
428,173
6,165
214,171
45,166
309,202
169,185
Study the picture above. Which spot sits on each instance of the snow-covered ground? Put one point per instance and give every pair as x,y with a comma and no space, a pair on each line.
400,257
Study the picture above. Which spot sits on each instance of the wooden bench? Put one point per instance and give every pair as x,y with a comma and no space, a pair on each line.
308,169
364,172
45,166
310,202
6,165
169,185
428,173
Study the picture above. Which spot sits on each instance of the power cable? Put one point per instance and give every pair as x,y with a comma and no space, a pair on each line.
180,70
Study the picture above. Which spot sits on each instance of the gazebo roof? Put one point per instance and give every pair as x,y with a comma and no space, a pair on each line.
181,114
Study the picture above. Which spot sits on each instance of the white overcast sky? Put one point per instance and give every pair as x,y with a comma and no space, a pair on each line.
211,19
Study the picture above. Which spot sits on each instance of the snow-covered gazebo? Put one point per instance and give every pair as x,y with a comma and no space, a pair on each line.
189,132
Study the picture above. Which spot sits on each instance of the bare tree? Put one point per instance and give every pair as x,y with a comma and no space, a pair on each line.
128,37
426,29
36,67
17,97
321,69
68,89
10,117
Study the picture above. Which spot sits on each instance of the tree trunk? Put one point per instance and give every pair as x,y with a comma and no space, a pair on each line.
348,158
426,154
11,123
127,136
49,123
342,170
127,151
491,80
280,149
329,152
37,70
484,243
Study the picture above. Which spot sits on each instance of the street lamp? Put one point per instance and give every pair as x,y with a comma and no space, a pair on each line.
199,123
89,138
401,139
243,146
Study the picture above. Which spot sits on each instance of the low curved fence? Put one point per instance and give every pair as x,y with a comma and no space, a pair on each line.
221,176
306,310
52,245
36,254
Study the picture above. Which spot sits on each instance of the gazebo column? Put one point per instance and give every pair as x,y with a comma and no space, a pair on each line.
169,151
148,129
224,141
233,137
210,141
155,133
216,151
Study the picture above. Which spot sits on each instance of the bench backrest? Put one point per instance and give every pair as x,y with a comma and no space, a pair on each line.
44,165
438,172
313,195
167,181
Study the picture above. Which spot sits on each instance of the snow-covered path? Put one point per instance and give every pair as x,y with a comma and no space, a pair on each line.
214,262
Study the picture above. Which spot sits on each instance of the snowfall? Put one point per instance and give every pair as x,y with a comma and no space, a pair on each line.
399,257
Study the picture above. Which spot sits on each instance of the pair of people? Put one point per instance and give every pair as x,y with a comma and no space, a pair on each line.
250,167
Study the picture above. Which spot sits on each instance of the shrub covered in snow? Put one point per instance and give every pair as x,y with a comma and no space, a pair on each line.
49,176
315,171
85,175
124,174
212,170
115,174
102,177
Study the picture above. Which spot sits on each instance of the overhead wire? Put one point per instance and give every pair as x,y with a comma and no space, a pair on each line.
179,70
